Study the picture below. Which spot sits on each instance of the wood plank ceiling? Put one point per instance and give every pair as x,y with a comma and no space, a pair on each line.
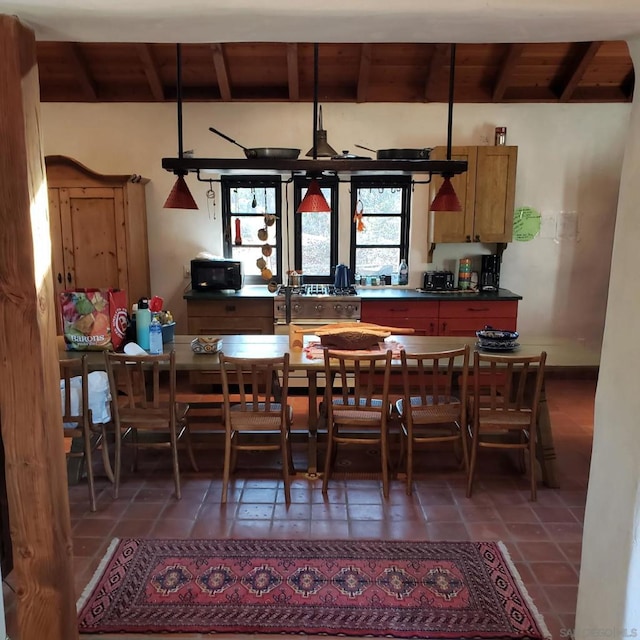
381,72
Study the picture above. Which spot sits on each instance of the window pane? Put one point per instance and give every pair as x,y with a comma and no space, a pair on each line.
387,200
316,243
250,255
379,230
376,261
253,200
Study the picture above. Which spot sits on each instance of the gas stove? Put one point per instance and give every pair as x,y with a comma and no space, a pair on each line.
313,303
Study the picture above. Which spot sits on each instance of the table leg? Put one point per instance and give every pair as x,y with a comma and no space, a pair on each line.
545,450
312,450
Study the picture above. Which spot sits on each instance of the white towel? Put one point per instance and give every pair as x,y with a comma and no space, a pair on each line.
99,397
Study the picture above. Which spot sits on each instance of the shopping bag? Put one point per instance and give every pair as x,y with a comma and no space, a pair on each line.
94,319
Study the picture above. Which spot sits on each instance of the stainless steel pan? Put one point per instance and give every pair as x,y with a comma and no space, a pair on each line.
266,153
399,154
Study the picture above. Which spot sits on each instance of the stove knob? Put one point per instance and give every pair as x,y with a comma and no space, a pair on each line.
319,308
296,308
337,307
350,308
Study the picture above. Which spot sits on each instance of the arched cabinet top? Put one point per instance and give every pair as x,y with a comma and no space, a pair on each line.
62,169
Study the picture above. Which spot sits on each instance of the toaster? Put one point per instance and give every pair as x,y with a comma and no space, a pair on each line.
438,281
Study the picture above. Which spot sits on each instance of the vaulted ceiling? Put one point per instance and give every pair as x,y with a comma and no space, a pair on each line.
593,71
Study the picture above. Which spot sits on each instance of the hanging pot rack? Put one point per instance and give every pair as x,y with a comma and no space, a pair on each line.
315,166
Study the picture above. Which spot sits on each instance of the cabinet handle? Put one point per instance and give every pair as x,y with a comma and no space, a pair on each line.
432,328
444,328
69,277
230,307
473,310
59,277
396,310
468,238
477,238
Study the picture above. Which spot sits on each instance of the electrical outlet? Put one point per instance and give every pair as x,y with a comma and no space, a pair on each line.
186,271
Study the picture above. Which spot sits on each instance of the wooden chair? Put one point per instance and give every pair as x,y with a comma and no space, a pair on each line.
431,410
142,403
504,407
77,418
358,414
257,416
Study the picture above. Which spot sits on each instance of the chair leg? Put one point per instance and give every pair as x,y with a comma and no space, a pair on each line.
409,462
227,465
88,464
465,448
384,452
472,465
106,462
174,459
285,451
118,462
328,457
532,468
187,437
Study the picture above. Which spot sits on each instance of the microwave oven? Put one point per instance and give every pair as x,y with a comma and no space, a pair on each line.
215,275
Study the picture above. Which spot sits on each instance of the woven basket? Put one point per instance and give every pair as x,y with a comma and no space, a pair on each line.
352,339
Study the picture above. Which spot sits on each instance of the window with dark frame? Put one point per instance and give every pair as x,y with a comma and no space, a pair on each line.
252,224
381,208
316,234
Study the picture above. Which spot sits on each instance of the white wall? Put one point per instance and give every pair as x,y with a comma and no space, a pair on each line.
569,160
609,593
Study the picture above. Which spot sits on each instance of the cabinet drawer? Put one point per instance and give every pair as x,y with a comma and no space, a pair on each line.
479,309
230,308
469,326
229,325
398,309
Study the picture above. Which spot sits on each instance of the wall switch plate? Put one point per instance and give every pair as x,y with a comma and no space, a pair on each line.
186,271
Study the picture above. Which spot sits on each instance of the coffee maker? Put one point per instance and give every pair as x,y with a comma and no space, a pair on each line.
490,274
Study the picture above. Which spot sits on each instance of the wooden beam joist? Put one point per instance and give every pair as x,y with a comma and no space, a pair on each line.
364,74
150,68
293,72
220,63
81,71
439,60
582,63
509,63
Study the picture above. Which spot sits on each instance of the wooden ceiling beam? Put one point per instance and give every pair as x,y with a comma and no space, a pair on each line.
509,63
581,64
364,74
81,71
220,63
150,68
435,68
293,72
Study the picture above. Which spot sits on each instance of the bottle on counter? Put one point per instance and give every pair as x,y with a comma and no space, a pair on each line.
155,336
143,320
403,272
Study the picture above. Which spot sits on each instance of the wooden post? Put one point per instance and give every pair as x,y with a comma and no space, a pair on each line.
29,387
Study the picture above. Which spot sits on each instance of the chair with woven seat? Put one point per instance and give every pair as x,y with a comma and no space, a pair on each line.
85,414
142,404
433,406
503,407
357,405
257,415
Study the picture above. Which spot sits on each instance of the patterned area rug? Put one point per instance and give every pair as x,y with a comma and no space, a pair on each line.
347,588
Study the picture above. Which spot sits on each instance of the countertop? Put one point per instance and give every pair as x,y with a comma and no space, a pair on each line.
365,293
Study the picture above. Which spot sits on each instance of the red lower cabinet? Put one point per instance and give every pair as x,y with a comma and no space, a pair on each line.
420,316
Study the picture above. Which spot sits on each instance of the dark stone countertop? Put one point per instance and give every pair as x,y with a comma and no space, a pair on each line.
365,293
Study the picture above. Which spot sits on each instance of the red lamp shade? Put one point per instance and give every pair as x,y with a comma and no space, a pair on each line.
313,201
446,198
180,197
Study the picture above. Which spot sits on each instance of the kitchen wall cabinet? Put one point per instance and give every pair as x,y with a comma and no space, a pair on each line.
421,316
487,194
98,229
444,318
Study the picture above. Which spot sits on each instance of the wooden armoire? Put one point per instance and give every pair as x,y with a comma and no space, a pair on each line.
98,229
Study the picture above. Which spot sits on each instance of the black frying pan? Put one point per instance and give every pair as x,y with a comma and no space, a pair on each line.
399,154
267,153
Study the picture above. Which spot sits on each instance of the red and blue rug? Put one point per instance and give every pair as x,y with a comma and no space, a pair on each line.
334,587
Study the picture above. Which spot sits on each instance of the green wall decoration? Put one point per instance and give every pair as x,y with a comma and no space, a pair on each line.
526,224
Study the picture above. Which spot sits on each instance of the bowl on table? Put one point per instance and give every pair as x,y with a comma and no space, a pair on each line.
497,339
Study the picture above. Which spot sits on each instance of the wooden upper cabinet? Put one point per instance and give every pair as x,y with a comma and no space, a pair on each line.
486,192
98,229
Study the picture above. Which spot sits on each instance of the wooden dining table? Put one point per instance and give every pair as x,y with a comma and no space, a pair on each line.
564,356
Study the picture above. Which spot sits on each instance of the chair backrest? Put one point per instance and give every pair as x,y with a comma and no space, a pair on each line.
353,378
254,385
137,387
430,378
74,393
508,383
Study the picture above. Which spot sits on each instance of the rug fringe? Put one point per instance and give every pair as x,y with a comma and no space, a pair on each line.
86,592
544,630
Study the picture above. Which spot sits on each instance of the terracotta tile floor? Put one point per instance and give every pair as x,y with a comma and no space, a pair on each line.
544,538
